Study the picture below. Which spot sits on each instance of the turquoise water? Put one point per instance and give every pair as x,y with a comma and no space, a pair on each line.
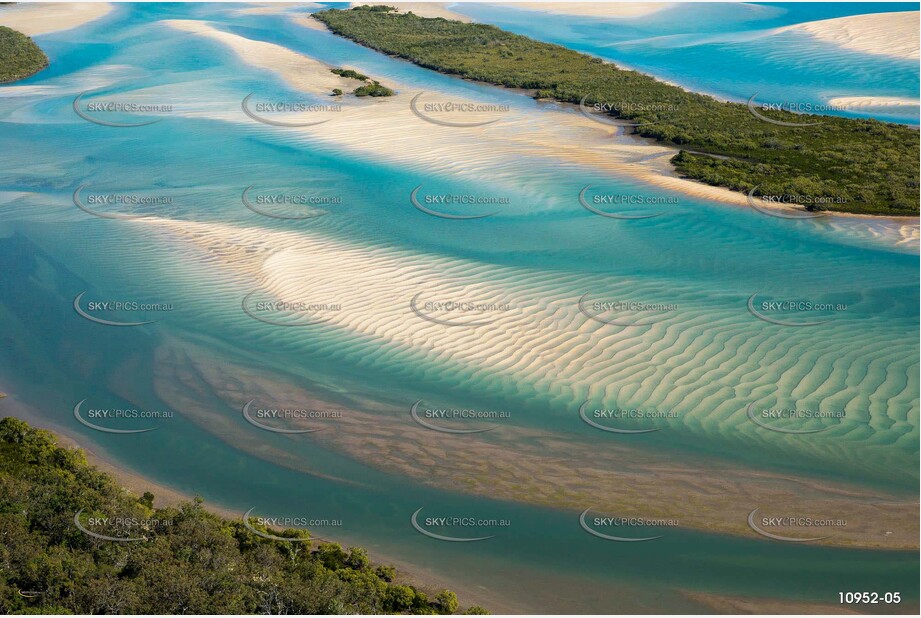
732,51
705,361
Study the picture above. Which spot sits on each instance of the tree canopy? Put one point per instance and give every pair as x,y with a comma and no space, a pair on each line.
191,561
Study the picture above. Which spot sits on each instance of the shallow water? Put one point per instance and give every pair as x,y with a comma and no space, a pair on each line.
705,361
733,52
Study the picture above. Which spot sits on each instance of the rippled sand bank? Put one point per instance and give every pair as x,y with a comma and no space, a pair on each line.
887,34
532,466
547,347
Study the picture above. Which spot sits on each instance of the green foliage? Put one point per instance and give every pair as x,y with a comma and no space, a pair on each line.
337,92
20,57
350,74
447,602
373,90
193,562
376,8
873,166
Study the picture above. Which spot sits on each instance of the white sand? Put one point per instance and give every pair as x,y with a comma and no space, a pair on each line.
542,344
274,8
299,71
305,20
422,9
565,137
873,102
554,135
34,19
888,34
619,10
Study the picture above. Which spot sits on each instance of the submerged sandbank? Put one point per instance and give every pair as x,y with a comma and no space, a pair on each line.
534,466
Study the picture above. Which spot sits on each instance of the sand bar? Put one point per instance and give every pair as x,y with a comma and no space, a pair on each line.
887,34
872,102
557,132
34,19
299,71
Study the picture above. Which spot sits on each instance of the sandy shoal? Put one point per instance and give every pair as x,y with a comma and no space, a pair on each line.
887,34
556,134
305,20
422,9
299,71
34,19
859,102
529,465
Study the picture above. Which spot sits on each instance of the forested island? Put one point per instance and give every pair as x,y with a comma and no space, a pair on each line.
20,57
190,560
839,164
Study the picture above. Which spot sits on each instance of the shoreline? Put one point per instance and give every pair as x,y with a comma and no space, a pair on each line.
668,177
422,9
164,495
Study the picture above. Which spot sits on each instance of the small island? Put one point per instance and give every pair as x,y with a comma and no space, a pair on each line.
838,164
371,88
20,57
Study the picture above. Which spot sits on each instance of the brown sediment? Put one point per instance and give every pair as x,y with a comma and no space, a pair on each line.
559,471
723,604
